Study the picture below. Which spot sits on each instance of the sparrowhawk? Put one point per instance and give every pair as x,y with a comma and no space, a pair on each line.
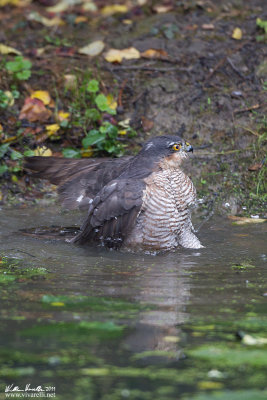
138,202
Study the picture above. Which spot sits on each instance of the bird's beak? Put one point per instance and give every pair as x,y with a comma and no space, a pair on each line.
188,147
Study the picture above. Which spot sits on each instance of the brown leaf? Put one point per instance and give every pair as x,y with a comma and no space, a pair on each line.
34,110
255,167
155,53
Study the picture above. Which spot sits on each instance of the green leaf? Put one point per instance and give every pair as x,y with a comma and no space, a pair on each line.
93,86
71,153
109,129
3,149
262,24
16,155
29,153
101,102
23,75
92,138
18,64
92,114
3,169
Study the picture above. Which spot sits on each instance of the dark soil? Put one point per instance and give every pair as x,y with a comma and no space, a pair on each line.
210,87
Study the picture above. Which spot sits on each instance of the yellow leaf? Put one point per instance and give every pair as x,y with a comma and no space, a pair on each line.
114,55
59,7
8,50
55,21
122,132
89,6
63,116
10,97
42,95
93,49
1,128
57,304
111,102
14,178
237,34
43,151
87,153
52,129
16,3
114,9
127,22
80,19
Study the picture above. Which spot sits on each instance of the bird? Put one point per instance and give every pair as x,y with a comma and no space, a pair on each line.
140,202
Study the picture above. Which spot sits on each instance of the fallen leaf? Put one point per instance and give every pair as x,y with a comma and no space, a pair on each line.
80,19
43,151
87,152
127,22
89,6
114,55
34,110
245,220
114,9
63,116
111,102
42,95
154,53
52,129
147,124
8,50
10,98
237,34
60,7
93,49
16,3
55,21
255,167
141,2
162,9
208,27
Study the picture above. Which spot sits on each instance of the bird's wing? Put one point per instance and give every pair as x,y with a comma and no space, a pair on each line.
79,180
113,212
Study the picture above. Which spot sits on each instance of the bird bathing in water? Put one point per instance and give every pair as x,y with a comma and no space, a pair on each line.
137,202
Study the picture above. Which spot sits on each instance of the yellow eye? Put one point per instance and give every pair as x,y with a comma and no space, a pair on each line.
176,147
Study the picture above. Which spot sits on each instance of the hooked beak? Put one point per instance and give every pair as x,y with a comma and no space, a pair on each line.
188,147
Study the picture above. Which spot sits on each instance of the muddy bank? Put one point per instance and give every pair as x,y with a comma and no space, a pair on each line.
208,86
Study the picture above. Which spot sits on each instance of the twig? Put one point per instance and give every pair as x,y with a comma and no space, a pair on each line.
223,60
254,107
249,130
230,62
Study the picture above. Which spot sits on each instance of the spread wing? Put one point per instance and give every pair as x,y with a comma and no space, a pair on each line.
79,180
113,212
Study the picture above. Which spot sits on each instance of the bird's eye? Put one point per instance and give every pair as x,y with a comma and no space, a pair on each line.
176,146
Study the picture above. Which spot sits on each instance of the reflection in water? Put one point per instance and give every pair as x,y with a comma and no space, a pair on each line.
154,297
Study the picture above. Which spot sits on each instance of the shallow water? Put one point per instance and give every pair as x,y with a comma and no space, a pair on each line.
98,324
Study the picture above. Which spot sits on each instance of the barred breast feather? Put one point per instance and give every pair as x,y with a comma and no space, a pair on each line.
164,221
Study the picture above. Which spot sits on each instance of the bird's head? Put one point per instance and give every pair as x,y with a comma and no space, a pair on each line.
168,149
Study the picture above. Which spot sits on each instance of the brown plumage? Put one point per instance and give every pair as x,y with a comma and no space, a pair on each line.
138,202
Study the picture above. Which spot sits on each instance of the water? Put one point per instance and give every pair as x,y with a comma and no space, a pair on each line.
105,325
